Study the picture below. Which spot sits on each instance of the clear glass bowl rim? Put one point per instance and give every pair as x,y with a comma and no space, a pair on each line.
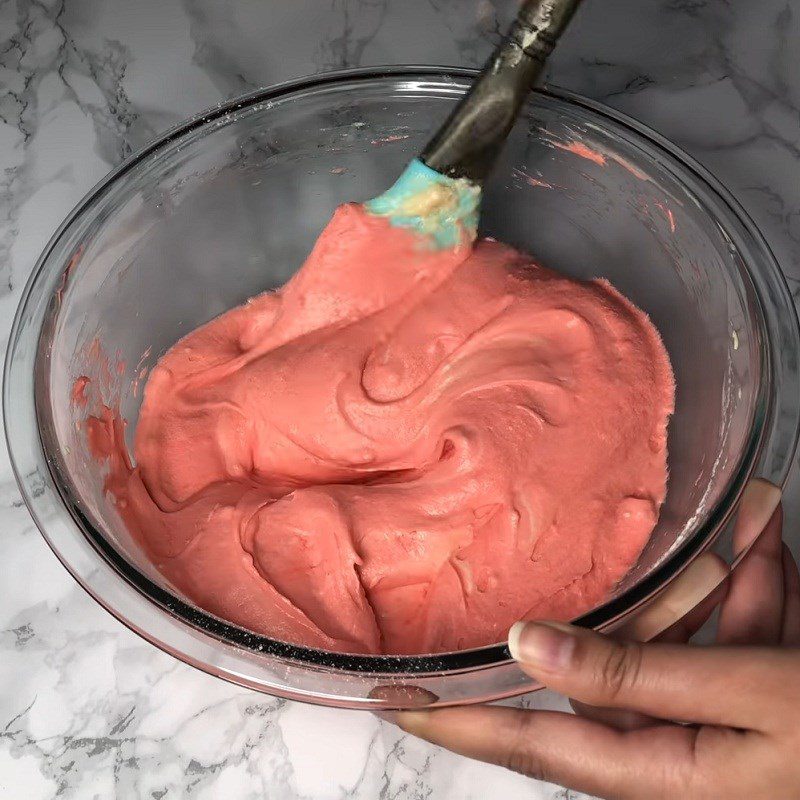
225,633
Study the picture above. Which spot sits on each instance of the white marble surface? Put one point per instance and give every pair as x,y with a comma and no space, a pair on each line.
86,708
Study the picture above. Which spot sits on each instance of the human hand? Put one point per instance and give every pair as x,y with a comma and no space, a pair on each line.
740,697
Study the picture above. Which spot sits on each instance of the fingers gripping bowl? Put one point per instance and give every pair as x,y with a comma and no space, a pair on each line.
230,203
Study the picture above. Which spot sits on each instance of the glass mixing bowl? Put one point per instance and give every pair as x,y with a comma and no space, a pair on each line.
229,204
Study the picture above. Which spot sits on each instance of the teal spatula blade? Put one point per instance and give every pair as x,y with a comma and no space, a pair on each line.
444,208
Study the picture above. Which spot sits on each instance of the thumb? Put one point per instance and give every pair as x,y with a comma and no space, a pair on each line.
710,685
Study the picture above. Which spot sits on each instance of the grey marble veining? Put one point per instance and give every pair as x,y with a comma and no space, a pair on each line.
87,709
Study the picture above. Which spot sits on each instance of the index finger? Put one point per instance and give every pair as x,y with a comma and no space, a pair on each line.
688,601
759,500
752,612
564,749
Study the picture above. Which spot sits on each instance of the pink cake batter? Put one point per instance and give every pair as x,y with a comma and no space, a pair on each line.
403,450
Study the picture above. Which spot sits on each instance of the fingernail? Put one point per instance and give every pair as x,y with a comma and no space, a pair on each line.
548,646
413,722
763,495
759,501
409,721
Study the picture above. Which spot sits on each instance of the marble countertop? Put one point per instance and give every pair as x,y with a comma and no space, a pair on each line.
89,710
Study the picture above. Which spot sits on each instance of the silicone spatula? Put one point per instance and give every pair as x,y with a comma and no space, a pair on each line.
439,193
